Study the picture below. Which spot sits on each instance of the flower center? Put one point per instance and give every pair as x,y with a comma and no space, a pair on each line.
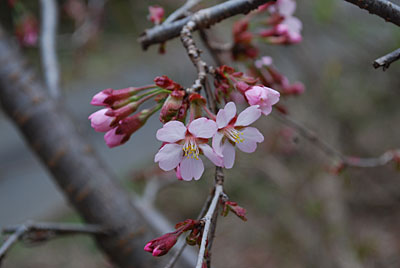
191,149
233,135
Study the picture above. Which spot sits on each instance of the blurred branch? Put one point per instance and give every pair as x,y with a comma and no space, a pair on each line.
386,60
84,179
44,231
48,46
203,18
350,161
383,8
181,11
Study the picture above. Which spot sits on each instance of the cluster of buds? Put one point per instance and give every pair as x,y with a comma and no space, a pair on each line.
233,207
116,119
242,41
284,27
269,76
161,245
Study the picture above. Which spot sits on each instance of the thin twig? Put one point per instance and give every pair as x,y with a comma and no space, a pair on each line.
203,19
383,8
47,231
351,161
179,251
207,220
181,11
386,60
11,241
48,46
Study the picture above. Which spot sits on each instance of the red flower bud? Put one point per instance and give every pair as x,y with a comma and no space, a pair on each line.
156,14
161,245
166,83
233,206
172,106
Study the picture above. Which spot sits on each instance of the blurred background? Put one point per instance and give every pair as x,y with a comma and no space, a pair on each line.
299,213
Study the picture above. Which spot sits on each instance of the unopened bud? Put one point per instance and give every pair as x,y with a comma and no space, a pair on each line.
172,106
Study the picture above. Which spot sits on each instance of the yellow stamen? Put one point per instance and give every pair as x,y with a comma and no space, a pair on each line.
191,150
234,135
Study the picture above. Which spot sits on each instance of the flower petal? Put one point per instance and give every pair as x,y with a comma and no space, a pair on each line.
169,156
225,115
113,139
217,142
191,168
248,116
251,136
100,121
228,150
203,128
172,131
211,154
266,110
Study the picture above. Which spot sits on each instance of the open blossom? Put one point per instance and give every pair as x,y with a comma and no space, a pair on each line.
285,8
263,96
290,28
184,145
234,131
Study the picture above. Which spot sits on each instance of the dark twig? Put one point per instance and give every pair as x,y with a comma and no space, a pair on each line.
46,231
203,19
350,161
386,60
383,8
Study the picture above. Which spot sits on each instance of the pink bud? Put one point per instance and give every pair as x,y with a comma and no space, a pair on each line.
100,121
99,98
263,96
156,14
113,139
171,106
165,82
161,245
242,86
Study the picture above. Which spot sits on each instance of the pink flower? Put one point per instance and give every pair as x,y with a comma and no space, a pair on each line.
234,130
156,14
290,28
190,141
264,61
263,96
285,8
100,121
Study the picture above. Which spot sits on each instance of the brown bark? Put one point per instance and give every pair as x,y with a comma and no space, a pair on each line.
82,177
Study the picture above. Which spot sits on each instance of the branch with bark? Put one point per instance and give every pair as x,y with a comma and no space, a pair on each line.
84,179
386,60
385,9
204,18
44,231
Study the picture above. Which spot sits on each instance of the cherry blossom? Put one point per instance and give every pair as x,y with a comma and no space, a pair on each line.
183,145
233,131
263,96
100,121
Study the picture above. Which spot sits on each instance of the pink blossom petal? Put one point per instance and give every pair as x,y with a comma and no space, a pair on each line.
264,61
203,128
266,110
251,136
254,95
228,150
217,142
211,154
286,7
225,115
100,121
248,116
113,139
169,156
98,99
172,131
191,168
293,24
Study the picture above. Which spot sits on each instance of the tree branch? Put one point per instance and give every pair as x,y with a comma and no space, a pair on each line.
47,231
84,179
386,60
181,11
383,8
48,46
207,219
203,18
350,161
